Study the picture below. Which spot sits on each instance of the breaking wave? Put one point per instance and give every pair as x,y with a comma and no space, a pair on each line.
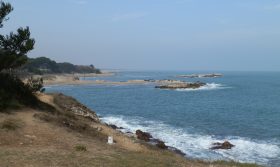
197,145
208,86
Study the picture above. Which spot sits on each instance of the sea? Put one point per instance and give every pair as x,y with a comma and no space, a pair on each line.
240,107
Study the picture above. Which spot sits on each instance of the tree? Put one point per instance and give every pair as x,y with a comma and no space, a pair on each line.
15,46
13,50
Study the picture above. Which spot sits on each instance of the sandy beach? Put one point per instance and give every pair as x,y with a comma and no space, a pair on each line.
75,79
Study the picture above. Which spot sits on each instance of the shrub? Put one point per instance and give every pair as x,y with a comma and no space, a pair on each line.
14,93
35,85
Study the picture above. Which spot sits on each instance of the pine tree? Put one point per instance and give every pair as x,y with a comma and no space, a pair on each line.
15,46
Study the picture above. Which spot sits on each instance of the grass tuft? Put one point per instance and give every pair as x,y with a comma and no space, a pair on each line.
10,124
81,148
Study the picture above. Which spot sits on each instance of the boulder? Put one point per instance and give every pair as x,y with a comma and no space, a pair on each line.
143,135
225,145
161,144
113,126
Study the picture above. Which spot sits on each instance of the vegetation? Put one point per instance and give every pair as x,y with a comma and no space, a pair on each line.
10,124
35,85
13,54
15,46
43,65
80,148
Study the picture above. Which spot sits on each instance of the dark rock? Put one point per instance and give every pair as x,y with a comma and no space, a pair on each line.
177,151
149,80
225,145
143,135
113,126
161,144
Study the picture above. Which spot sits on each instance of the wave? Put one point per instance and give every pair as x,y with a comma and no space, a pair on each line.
208,86
197,145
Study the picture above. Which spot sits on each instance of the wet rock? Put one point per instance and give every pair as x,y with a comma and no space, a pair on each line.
143,135
113,126
177,151
225,145
161,144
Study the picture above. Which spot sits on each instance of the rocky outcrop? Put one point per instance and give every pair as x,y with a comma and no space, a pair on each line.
200,76
143,135
225,145
70,104
185,85
161,144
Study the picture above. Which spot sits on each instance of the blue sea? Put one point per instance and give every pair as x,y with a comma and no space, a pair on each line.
241,107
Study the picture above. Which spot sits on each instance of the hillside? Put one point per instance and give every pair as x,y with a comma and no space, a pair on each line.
44,65
69,134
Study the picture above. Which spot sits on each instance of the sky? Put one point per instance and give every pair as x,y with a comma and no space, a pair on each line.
205,35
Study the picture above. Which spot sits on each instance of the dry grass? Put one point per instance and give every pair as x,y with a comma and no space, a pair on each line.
11,124
60,139
80,148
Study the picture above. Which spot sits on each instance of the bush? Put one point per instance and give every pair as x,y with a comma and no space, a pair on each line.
35,85
14,94
14,91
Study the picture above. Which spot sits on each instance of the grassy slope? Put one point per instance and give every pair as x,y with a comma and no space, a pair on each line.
51,139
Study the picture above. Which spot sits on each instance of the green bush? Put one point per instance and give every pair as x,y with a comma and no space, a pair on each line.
13,92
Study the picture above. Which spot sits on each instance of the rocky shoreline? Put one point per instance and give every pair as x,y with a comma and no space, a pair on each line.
148,138
200,76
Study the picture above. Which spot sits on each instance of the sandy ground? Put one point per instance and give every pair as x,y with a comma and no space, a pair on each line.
67,79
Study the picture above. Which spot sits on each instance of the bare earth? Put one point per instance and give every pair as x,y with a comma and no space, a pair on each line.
43,138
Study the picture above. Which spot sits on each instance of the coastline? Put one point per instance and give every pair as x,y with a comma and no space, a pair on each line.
53,134
75,79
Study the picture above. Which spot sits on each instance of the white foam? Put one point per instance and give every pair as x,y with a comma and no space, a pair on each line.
197,145
208,86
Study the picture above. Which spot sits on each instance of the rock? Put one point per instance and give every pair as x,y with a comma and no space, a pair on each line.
177,151
161,144
194,85
143,135
113,126
225,145
200,76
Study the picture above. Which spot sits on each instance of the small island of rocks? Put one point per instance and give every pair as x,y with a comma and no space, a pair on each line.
200,76
182,85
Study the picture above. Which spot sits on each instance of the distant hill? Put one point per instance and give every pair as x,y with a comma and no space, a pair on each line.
44,65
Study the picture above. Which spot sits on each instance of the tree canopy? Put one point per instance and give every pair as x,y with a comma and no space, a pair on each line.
14,46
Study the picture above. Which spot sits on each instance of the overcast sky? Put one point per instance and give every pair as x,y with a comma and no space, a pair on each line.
154,34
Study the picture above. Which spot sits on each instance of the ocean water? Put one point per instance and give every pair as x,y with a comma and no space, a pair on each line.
242,107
